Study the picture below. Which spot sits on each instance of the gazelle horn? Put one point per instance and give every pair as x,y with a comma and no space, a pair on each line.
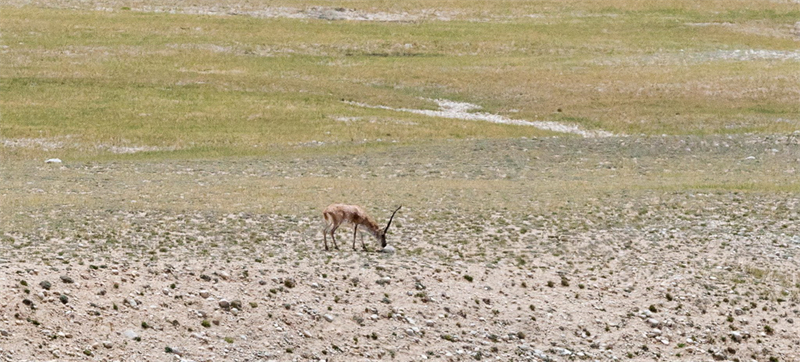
390,219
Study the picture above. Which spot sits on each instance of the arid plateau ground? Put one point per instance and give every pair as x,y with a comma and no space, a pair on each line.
141,266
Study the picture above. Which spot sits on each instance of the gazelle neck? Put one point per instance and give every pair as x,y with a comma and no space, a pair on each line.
373,230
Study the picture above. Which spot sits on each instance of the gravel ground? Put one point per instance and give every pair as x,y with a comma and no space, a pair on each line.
516,257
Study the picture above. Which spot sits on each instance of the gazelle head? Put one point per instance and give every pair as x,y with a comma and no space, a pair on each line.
382,233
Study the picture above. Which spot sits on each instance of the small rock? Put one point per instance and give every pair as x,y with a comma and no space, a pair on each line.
67,279
237,304
52,160
224,275
388,249
130,334
653,322
107,344
383,281
45,284
654,333
540,355
224,304
328,317
4,333
131,302
205,294
736,336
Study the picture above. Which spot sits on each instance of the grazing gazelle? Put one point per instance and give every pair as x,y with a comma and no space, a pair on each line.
336,214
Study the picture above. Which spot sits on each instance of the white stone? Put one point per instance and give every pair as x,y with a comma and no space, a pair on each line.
130,334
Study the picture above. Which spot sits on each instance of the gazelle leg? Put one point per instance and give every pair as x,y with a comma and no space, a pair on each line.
333,236
325,236
364,247
355,232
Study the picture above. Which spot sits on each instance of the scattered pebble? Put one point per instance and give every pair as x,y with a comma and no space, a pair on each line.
130,334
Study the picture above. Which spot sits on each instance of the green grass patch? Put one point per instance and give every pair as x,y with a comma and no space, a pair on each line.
238,85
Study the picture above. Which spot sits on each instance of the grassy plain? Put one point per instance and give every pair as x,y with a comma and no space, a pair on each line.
242,85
